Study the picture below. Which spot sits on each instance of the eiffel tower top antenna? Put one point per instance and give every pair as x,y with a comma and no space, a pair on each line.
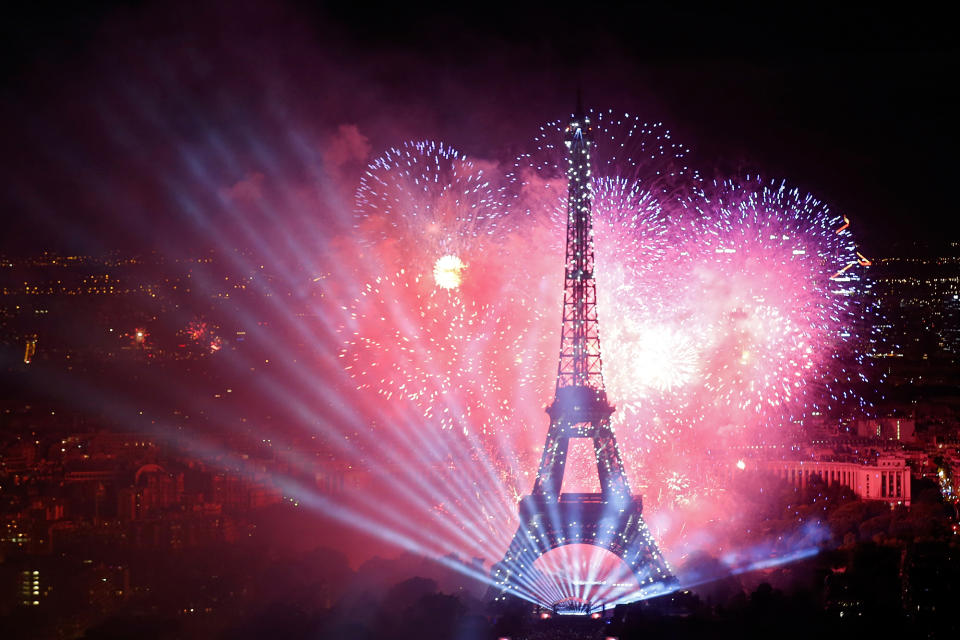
580,365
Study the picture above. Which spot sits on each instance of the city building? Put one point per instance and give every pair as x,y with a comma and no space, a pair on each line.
889,428
887,480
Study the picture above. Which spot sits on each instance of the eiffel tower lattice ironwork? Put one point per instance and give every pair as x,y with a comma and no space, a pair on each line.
612,518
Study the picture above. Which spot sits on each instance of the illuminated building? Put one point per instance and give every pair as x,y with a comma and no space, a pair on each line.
32,591
13,533
888,480
890,428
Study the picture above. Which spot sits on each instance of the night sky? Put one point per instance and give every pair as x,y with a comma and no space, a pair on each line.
107,107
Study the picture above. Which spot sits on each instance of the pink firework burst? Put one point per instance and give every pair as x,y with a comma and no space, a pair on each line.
774,300
425,206
456,360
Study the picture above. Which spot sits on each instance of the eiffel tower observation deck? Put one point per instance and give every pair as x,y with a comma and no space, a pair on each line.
611,519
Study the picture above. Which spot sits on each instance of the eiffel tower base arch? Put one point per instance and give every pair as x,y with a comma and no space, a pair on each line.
579,519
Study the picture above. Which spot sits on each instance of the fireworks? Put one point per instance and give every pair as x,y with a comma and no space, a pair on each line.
638,167
640,172
723,308
444,331
197,330
451,358
447,272
727,309
663,358
775,317
203,336
423,201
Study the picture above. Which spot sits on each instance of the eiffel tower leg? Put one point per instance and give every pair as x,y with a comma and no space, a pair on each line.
517,564
613,478
641,554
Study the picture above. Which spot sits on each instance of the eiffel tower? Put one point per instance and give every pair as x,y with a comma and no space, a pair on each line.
612,518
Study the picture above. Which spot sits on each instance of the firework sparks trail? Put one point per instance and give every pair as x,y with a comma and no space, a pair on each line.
423,202
779,328
451,357
432,321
